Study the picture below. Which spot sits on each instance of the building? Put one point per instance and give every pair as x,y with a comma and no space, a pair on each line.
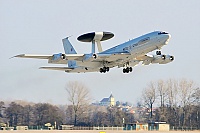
159,126
110,101
136,126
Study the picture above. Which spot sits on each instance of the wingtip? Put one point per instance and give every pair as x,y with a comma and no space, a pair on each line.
19,55
12,57
44,67
41,67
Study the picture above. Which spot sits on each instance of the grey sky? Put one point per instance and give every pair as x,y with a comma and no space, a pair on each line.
37,27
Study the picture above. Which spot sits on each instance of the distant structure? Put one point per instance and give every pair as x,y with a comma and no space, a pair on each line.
110,101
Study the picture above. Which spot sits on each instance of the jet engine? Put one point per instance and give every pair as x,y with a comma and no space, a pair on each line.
168,58
59,56
56,58
162,59
95,56
89,57
158,58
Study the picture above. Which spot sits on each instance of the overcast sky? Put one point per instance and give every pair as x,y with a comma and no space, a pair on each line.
38,27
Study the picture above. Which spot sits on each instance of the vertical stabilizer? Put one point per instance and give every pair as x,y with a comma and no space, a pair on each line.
69,49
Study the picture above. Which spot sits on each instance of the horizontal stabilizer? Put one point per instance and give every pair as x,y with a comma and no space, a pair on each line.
58,68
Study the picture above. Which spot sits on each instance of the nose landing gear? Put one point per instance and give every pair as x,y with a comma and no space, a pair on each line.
158,52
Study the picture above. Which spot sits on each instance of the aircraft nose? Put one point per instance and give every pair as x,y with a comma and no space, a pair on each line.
169,36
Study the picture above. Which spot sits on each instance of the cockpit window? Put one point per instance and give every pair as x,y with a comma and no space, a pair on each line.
160,33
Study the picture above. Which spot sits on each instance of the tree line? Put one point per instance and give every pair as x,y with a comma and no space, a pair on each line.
30,115
177,102
17,114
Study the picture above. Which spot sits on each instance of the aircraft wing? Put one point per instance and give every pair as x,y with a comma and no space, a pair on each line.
68,56
77,57
116,58
33,56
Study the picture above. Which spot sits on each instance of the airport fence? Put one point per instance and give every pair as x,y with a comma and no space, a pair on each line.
95,128
173,128
68,128
108,128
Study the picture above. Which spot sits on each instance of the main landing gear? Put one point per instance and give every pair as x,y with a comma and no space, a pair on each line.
104,69
158,52
127,70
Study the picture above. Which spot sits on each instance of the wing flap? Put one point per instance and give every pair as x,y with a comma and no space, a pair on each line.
113,57
146,59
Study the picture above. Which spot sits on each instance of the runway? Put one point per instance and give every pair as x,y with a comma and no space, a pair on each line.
91,131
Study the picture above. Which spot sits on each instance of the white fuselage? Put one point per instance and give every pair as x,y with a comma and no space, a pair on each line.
137,47
142,45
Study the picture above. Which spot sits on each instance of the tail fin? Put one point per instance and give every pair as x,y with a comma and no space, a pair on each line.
69,49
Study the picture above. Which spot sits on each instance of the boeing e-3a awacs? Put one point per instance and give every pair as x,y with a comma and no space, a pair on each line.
125,55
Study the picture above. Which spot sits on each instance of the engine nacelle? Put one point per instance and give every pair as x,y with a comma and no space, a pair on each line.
158,58
63,56
168,59
89,57
95,56
57,57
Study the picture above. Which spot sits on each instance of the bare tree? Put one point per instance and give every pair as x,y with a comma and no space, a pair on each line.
196,96
162,92
79,97
186,91
178,101
46,113
149,96
171,101
172,92
1,110
14,114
